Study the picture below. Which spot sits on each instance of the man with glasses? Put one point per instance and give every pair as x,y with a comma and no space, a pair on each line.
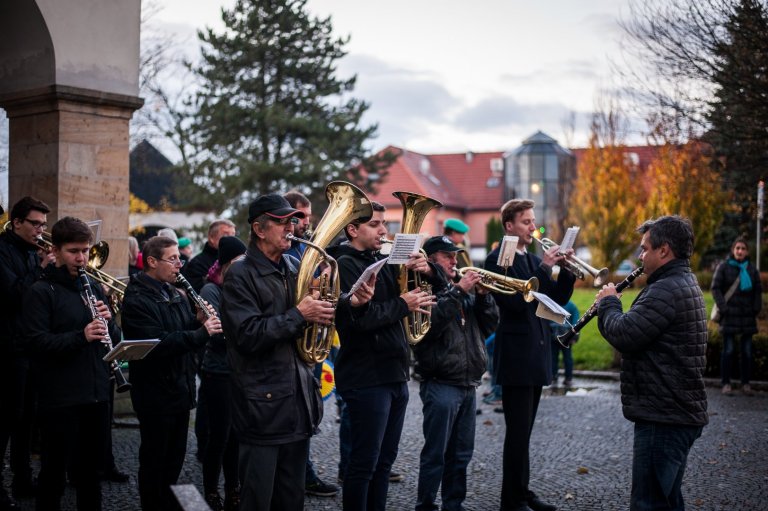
21,264
276,400
163,382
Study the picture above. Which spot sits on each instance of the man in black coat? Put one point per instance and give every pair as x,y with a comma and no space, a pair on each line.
163,382
522,352
64,341
276,401
663,342
451,360
20,267
197,268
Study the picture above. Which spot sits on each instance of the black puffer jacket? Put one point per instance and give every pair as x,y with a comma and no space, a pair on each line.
275,396
19,269
164,380
453,351
663,342
374,349
69,370
739,315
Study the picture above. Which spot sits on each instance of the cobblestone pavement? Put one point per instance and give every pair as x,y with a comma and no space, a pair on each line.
580,455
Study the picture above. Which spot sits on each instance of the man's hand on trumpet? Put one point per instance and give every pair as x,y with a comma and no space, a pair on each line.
553,256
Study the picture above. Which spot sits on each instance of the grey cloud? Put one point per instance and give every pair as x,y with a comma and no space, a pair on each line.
581,69
506,111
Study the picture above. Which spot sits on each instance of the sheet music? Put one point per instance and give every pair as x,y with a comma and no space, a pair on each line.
549,309
366,275
507,251
131,350
570,238
404,246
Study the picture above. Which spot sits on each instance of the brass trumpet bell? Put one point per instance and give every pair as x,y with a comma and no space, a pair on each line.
578,266
497,283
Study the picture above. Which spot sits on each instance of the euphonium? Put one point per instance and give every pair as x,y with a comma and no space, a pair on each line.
415,210
502,284
577,266
347,203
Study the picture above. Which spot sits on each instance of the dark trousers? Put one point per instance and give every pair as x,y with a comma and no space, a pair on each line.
376,417
558,348
520,407
449,440
659,457
17,398
221,451
745,357
272,476
72,437
161,456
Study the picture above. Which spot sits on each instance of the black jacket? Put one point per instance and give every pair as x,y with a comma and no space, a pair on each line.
374,349
215,354
19,269
662,339
453,351
69,370
739,315
275,396
164,380
197,268
523,352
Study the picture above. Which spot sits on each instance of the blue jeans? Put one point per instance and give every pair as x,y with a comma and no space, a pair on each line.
376,417
558,348
449,440
658,465
745,359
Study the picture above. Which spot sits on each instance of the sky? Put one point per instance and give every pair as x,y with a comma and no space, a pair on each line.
445,76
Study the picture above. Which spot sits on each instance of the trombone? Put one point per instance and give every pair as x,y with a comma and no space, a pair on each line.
497,283
577,266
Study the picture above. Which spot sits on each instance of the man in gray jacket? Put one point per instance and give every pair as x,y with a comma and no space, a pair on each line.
663,341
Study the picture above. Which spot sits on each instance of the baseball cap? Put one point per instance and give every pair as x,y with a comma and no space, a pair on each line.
272,204
457,225
439,244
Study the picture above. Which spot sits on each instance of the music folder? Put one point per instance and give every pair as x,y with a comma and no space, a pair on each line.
131,350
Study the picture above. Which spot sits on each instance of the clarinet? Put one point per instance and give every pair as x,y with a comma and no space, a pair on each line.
199,302
121,384
566,339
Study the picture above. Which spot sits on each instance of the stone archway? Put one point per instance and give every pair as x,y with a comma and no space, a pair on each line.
69,84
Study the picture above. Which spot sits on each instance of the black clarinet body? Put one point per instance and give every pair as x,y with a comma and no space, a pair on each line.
567,339
121,383
199,302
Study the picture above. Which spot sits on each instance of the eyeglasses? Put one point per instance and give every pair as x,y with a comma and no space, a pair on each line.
283,221
36,224
173,262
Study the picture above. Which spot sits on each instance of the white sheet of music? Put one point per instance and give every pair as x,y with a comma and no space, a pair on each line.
549,309
366,275
507,251
569,239
404,246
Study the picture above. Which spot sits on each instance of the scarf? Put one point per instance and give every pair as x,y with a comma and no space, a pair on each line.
745,281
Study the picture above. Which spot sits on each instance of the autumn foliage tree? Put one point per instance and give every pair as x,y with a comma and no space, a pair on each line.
607,198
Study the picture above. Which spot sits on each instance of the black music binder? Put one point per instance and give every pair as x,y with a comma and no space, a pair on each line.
131,350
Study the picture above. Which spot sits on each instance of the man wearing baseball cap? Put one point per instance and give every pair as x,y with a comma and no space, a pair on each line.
276,405
451,360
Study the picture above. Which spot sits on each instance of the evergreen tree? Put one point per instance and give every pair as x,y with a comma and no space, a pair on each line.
271,113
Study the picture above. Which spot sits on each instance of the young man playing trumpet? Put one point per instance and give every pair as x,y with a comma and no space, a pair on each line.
451,360
522,352
64,341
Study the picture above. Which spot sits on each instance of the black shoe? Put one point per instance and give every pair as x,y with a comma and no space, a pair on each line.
231,499
7,503
320,489
214,501
114,475
396,477
24,487
539,505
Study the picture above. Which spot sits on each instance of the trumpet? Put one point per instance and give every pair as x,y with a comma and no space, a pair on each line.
577,266
497,283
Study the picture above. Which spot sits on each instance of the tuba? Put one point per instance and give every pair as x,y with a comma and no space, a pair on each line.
347,203
415,210
502,284
578,266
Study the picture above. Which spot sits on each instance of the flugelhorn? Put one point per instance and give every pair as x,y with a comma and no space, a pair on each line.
502,284
415,210
347,203
578,267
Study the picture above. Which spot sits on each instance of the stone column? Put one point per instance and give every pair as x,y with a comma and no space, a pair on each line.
69,148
